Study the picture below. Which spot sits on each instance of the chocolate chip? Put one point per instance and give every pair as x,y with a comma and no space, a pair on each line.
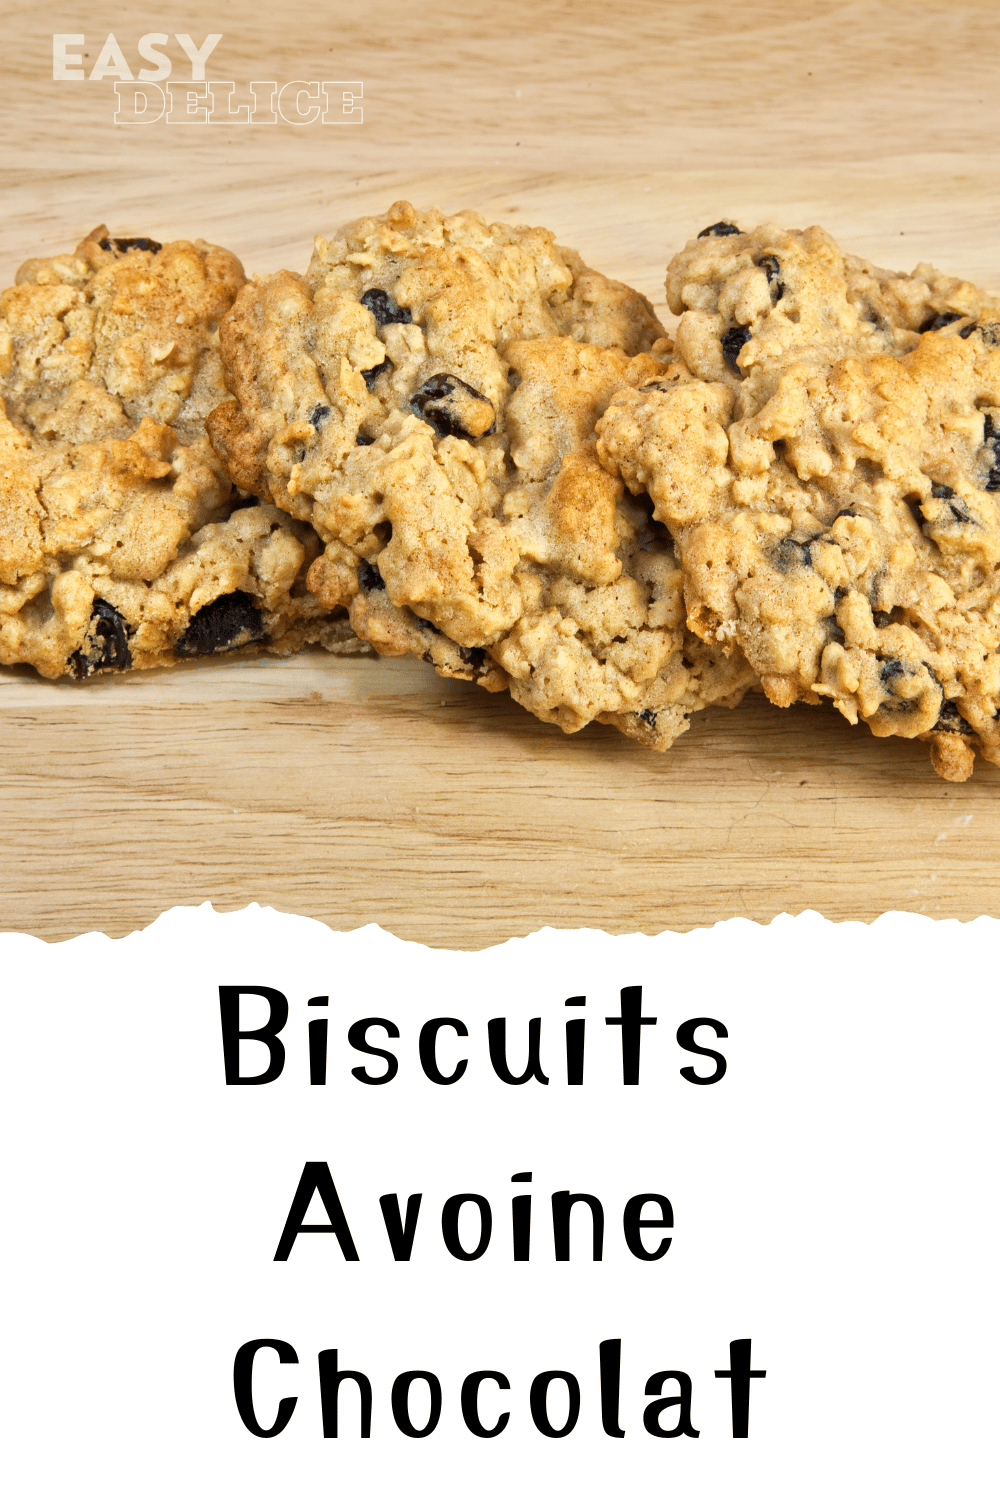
991,334
915,505
137,242
834,632
369,578
453,408
107,648
963,333
939,320
648,717
890,673
384,308
950,721
790,554
958,509
732,342
317,415
229,621
363,440
718,231
373,374
991,440
881,618
772,268
875,588
473,656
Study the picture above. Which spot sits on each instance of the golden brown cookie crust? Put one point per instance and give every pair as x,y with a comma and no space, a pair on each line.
119,542
426,397
93,342
825,462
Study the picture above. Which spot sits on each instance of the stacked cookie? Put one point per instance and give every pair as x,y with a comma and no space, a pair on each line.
454,440
824,454
426,398
123,542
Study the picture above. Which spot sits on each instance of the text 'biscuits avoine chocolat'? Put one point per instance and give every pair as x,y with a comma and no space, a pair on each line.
426,397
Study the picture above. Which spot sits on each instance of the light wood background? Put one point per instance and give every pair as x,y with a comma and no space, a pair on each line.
364,791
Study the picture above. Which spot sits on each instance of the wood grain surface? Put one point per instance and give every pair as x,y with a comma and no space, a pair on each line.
360,791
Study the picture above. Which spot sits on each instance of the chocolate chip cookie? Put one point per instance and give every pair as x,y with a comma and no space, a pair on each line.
120,541
426,396
826,455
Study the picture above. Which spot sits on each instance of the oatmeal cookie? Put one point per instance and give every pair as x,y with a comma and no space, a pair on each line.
129,553
425,396
825,455
120,544
122,329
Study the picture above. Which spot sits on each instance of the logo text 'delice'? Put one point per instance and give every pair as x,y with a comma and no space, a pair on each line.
301,102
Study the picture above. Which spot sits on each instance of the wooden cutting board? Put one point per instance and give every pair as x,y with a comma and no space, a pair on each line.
368,791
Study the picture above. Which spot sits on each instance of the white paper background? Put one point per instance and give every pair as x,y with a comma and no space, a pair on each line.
833,1195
